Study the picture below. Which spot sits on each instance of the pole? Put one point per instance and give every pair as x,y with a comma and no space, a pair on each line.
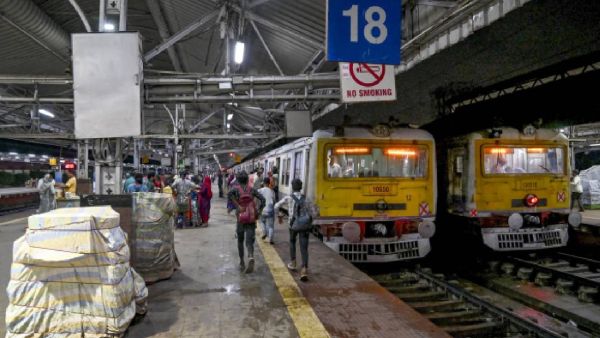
123,16
176,132
102,16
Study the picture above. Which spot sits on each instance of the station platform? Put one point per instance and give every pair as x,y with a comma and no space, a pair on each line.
591,217
210,297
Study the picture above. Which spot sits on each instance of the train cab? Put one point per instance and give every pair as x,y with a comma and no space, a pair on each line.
374,191
511,187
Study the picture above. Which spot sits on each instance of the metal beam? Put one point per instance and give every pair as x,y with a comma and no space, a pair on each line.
224,151
12,99
184,79
275,27
232,136
242,98
189,80
39,136
36,79
163,31
445,4
257,3
264,43
204,119
180,35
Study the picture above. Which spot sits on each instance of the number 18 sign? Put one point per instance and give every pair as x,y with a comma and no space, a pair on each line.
367,31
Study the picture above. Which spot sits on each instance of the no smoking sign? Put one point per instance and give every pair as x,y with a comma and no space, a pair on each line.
364,82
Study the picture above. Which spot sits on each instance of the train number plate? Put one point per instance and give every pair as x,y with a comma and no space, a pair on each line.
379,190
528,185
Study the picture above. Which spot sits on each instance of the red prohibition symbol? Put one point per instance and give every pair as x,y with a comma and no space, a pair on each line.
365,68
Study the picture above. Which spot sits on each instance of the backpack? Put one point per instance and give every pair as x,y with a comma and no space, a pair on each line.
302,220
246,200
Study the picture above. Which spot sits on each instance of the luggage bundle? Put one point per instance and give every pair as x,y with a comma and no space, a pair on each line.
71,277
154,221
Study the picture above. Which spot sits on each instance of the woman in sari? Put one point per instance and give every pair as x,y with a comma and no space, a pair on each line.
204,198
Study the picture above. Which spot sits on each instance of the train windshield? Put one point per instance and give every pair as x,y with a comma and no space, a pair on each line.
523,160
352,161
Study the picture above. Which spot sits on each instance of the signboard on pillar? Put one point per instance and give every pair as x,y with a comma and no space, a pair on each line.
364,31
363,82
107,84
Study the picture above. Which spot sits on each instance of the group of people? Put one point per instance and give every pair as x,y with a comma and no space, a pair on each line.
47,190
192,194
242,196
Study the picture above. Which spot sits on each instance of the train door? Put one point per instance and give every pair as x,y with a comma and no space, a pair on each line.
457,179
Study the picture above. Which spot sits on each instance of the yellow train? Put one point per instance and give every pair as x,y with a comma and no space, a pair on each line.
374,189
511,187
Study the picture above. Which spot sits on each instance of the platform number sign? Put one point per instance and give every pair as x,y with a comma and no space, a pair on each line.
367,31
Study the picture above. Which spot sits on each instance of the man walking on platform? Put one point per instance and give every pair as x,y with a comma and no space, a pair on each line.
300,224
268,215
247,212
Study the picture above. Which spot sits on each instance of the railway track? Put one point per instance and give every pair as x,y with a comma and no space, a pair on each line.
559,284
464,310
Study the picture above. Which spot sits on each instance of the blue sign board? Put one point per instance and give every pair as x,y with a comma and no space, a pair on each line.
366,31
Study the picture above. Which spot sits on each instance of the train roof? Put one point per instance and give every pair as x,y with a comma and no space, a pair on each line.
516,134
367,133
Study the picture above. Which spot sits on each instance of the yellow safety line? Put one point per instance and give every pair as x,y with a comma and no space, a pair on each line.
13,221
304,317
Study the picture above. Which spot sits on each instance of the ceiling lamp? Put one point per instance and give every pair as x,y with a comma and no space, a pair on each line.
239,52
46,113
109,27
229,117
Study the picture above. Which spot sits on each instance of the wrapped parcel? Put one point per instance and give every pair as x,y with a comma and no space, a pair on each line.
71,277
154,222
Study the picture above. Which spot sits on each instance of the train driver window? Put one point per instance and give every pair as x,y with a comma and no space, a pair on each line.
351,161
523,160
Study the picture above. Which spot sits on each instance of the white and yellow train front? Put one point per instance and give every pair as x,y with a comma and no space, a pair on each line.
375,192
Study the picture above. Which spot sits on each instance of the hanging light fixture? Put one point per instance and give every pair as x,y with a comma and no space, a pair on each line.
46,113
239,52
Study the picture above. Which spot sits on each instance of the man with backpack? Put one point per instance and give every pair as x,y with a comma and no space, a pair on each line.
300,224
243,198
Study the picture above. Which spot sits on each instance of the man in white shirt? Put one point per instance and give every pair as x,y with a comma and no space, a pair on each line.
334,169
576,189
267,217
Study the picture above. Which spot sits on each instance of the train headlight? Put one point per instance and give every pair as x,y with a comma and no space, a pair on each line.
426,229
515,221
351,232
574,218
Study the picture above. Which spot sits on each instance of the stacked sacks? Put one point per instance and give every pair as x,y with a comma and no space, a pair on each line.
154,221
590,180
71,277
